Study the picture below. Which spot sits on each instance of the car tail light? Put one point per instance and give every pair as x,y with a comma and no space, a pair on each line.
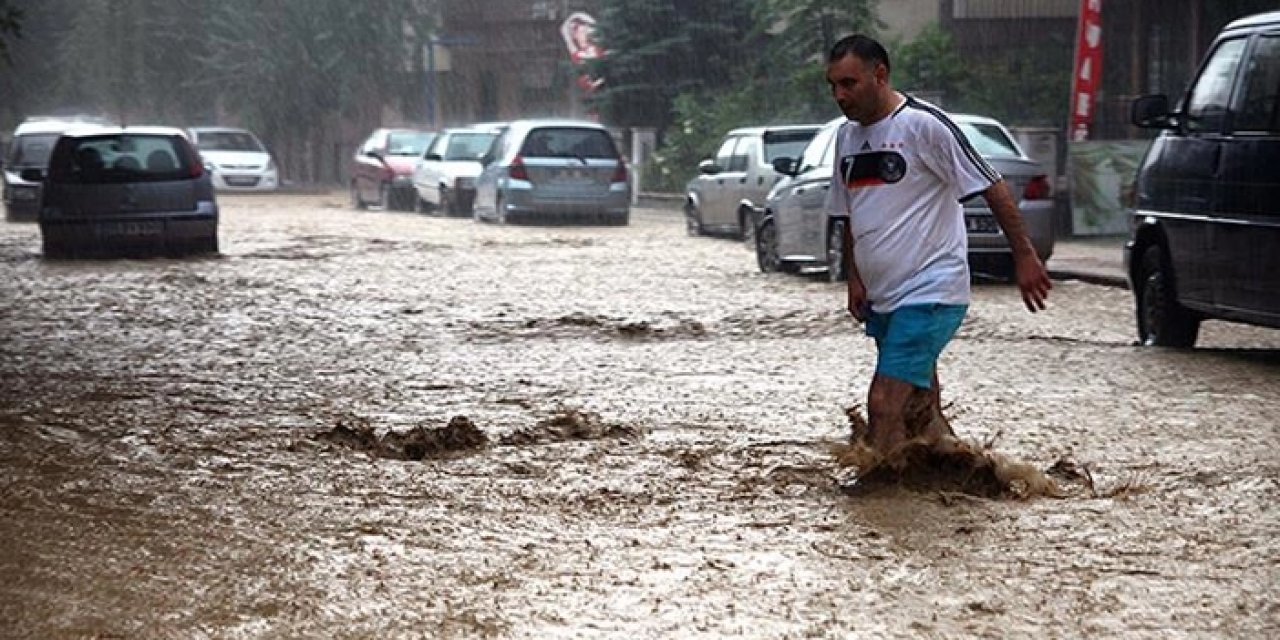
517,170
1037,189
620,174
194,161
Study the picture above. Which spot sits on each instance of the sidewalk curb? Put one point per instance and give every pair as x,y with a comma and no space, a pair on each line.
1106,280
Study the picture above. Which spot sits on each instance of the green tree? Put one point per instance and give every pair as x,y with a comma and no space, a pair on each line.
929,66
658,49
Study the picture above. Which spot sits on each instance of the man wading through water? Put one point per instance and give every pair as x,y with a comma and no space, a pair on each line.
902,170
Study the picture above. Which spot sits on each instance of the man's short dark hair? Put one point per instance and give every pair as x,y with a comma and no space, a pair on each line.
863,47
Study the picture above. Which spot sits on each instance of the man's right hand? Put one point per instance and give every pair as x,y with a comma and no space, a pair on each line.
858,305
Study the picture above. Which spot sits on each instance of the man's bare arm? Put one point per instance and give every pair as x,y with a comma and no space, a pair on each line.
1032,278
857,292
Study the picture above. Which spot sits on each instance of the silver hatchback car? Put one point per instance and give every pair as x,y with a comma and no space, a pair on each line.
544,168
795,234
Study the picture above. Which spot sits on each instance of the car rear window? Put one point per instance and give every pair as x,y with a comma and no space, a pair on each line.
404,143
121,158
228,141
989,140
786,144
468,146
569,142
31,150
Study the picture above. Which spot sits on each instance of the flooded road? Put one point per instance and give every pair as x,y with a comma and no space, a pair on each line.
652,422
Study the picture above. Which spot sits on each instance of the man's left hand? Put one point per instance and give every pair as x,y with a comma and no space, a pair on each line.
1033,280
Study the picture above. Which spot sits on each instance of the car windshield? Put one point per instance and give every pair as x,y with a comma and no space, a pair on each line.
120,158
569,142
989,140
468,146
32,150
408,143
228,141
786,144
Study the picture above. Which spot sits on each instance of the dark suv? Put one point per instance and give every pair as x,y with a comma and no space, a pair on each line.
1206,217
113,191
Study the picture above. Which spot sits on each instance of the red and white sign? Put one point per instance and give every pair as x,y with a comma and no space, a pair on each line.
1087,72
578,31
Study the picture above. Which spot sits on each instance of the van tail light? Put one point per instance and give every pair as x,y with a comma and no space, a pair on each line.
620,173
517,170
1037,189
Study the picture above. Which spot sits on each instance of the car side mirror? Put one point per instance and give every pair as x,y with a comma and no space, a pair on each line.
32,175
434,156
1151,112
785,166
709,167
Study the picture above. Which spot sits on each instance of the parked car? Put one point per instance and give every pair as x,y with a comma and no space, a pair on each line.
539,168
794,232
112,191
382,170
29,148
238,160
729,192
445,179
1206,217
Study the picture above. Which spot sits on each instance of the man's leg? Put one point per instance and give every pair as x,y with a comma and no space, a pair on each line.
886,404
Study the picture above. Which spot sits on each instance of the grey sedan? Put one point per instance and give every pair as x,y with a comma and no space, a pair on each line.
795,234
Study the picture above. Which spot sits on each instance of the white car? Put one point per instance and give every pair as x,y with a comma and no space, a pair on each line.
237,159
445,179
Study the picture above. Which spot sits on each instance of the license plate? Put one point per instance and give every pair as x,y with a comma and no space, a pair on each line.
981,224
241,182
572,176
133,229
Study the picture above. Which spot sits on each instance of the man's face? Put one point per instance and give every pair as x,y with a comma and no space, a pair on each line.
856,86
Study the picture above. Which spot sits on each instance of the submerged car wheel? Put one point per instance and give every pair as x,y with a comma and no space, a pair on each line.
384,196
356,201
1162,322
837,270
692,220
767,248
747,227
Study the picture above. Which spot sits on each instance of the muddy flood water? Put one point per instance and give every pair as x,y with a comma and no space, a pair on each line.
390,425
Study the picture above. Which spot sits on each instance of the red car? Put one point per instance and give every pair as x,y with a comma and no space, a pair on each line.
382,170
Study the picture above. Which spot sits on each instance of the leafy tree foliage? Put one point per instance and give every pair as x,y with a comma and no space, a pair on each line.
658,49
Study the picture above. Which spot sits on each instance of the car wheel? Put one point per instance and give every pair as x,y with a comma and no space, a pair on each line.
1162,322
837,270
356,201
747,227
446,203
384,196
767,257
692,220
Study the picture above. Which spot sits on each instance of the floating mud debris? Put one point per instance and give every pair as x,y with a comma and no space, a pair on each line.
461,434
417,443
568,424
937,463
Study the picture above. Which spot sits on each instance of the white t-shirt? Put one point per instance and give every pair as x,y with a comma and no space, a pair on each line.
900,183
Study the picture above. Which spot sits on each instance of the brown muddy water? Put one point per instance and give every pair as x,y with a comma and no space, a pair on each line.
387,425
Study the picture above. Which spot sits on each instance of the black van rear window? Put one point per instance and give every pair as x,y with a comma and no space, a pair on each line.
121,158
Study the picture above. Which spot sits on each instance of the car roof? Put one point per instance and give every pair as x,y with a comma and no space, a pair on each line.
748,131
534,123
1270,18
974,119
88,131
219,130
53,124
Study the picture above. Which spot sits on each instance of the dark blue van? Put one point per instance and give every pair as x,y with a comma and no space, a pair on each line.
1206,217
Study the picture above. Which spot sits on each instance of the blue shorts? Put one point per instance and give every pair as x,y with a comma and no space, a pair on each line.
911,337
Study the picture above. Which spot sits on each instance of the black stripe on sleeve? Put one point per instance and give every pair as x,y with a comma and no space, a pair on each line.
978,161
